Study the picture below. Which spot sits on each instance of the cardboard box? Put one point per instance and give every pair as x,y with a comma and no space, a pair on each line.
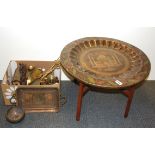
33,98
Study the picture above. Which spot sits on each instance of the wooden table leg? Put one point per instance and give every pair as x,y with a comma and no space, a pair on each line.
83,90
79,103
129,93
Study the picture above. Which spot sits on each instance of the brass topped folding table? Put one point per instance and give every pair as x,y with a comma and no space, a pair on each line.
105,63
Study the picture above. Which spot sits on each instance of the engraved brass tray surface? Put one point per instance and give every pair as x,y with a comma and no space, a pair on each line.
105,62
38,99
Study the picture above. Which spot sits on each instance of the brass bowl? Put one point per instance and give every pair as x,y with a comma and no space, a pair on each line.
15,114
105,62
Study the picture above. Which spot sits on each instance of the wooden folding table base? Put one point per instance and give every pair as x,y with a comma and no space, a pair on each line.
83,90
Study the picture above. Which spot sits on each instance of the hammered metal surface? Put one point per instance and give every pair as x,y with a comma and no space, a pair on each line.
105,62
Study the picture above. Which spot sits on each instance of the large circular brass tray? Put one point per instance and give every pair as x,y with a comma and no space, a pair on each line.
105,62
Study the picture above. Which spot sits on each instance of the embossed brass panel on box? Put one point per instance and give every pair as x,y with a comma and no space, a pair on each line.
38,99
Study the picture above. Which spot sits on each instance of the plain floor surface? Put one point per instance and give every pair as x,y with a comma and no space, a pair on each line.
100,110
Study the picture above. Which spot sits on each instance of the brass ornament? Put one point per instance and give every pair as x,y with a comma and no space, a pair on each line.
30,68
35,74
48,78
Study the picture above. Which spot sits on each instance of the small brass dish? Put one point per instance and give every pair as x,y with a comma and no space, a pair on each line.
15,114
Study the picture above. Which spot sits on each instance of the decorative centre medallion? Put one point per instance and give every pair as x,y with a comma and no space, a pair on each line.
104,61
